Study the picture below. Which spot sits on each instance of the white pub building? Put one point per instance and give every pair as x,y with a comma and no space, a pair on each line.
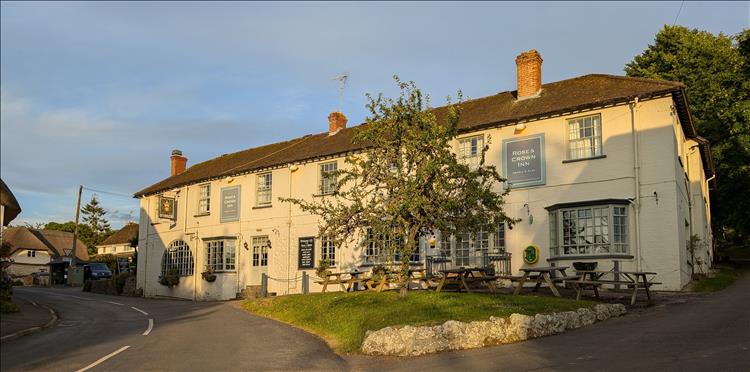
601,168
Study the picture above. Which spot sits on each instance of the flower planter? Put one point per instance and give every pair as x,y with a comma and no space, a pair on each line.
209,277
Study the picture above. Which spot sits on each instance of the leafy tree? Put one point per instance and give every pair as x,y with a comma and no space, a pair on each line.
716,70
408,183
93,216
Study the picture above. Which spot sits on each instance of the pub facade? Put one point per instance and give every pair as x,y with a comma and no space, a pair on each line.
601,168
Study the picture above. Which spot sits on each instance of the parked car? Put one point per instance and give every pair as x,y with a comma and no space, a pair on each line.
95,271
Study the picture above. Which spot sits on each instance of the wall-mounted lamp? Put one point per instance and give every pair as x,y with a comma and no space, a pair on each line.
293,168
520,127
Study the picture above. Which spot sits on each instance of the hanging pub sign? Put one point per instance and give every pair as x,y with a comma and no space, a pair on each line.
523,161
306,257
166,207
230,204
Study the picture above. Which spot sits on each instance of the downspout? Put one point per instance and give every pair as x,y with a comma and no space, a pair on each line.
689,191
292,169
637,182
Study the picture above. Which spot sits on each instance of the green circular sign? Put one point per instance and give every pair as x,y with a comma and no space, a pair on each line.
531,254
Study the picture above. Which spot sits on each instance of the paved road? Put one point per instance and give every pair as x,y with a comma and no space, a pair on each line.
186,336
707,333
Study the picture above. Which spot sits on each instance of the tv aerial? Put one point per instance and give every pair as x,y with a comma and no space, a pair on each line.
342,84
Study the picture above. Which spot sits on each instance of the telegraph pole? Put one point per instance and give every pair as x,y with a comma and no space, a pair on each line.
75,230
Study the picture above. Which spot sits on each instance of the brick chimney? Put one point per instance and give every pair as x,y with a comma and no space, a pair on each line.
336,122
529,70
179,162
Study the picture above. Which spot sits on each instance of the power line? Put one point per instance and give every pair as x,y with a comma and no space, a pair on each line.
108,192
678,13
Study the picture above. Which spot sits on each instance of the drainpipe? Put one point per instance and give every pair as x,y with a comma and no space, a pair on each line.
292,168
637,184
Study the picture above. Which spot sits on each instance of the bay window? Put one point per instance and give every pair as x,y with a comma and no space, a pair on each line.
590,229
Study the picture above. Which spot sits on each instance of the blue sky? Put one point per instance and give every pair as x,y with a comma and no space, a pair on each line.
100,93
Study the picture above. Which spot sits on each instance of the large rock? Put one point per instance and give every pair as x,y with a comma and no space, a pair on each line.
455,335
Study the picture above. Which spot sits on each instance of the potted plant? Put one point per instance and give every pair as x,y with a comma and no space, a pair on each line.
208,275
170,279
323,268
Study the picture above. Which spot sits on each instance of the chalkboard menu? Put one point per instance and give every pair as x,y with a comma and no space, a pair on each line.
306,255
230,204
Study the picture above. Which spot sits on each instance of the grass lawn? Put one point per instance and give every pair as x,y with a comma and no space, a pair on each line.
726,276
343,318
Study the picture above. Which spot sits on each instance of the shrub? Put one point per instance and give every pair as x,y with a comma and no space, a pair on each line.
7,307
18,282
120,279
170,279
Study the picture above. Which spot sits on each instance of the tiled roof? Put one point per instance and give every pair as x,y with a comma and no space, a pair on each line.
122,236
500,109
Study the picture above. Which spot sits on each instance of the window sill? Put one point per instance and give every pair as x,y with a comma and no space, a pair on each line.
584,159
623,256
411,263
202,214
262,206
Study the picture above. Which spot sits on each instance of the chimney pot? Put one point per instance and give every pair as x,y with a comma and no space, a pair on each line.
179,162
336,122
529,74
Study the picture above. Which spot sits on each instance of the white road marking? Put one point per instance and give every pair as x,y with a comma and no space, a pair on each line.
102,359
150,327
139,310
115,303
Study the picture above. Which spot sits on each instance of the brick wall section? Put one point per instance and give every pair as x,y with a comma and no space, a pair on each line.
529,73
336,122
179,162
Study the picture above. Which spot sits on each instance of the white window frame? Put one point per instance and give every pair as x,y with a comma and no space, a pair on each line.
586,239
470,150
264,189
327,183
221,254
328,250
204,199
587,146
178,256
261,244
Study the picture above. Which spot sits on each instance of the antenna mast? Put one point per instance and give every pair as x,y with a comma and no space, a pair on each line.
342,84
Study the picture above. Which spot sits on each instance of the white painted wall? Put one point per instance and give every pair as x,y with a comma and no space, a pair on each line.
663,207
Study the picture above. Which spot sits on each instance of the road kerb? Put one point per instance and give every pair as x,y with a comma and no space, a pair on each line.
28,331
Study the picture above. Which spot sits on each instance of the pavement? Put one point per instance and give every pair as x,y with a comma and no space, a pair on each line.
98,332
31,316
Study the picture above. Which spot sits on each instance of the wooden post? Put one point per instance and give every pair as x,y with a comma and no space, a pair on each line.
75,230
264,285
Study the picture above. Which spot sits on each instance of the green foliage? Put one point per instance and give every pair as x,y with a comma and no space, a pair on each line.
323,266
170,279
5,249
93,217
724,278
344,318
119,281
716,70
409,183
8,307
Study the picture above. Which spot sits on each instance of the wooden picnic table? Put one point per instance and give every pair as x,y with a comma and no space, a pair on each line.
394,276
464,276
592,279
345,283
543,275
